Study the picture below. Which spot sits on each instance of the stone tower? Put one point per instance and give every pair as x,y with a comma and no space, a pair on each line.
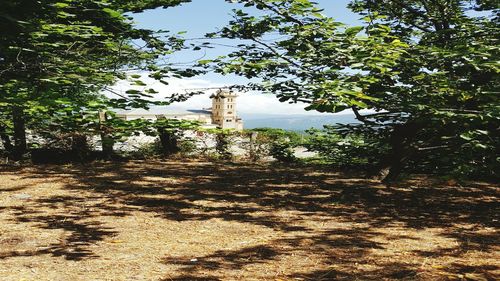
224,110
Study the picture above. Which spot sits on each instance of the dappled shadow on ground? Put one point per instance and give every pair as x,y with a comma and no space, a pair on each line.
350,226
75,246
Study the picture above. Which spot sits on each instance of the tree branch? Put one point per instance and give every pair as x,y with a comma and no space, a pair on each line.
274,51
284,15
361,117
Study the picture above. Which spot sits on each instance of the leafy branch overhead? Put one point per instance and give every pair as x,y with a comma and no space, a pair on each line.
302,55
428,68
57,56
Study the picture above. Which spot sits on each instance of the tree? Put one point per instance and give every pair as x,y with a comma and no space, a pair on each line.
428,68
448,85
170,131
57,56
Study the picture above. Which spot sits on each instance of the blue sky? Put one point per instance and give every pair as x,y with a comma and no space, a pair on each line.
203,16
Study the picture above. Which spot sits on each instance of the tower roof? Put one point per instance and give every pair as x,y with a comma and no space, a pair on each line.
223,93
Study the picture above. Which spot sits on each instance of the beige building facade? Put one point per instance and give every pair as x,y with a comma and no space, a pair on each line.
224,110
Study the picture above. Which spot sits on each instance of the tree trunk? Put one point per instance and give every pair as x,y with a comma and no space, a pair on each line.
7,144
79,147
393,164
107,142
168,141
107,146
20,144
223,146
253,139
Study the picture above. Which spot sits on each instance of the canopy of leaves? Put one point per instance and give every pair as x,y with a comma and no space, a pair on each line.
56,57
429,68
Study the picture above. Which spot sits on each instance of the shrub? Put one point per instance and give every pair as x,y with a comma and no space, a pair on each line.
346,150
223,141
278,143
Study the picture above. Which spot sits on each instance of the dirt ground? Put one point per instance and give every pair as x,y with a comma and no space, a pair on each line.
204,221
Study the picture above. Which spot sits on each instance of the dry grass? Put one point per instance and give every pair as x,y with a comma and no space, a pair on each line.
205,221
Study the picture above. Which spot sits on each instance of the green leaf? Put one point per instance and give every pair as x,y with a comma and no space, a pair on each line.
351,31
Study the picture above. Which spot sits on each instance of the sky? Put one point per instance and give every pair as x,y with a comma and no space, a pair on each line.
204,16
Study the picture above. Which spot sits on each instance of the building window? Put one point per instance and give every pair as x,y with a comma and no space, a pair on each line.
229,120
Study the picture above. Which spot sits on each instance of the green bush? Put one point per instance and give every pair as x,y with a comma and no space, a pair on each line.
187,147
223,141
278,143
148,151
346,150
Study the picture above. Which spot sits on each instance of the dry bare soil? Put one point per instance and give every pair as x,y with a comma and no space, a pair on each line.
205,221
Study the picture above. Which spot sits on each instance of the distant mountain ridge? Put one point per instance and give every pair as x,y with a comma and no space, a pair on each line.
294,122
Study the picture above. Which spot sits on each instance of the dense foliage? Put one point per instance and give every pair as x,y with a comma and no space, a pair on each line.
277,143
428,69
346,148
56,58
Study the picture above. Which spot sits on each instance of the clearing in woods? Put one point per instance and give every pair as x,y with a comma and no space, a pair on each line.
206,221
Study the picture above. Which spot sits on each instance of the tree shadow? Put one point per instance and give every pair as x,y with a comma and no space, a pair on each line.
225,259
74,246
191,278
281,198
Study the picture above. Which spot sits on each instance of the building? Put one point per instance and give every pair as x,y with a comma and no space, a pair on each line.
224,110
221,115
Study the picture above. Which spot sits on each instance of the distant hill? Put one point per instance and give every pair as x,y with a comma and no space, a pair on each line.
294,122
